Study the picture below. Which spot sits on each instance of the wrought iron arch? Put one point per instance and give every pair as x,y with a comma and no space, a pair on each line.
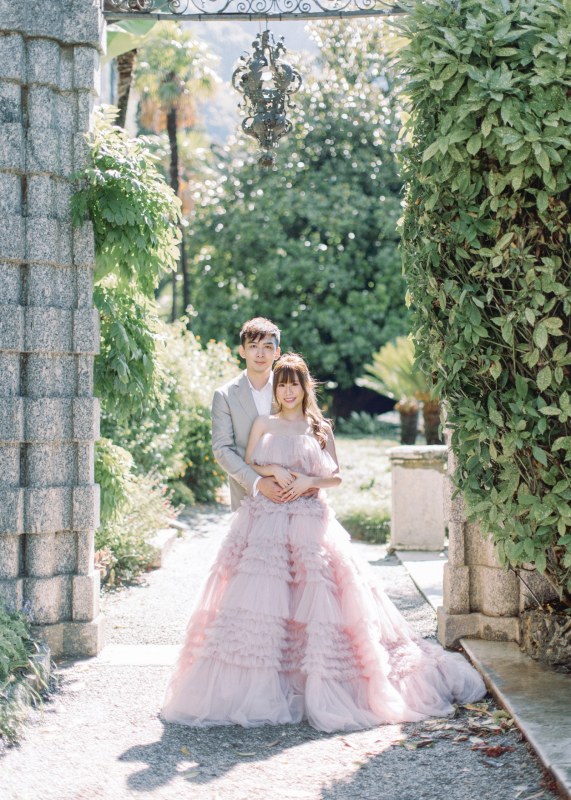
115,10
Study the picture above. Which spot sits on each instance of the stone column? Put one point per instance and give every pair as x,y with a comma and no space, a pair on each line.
49,504
481,600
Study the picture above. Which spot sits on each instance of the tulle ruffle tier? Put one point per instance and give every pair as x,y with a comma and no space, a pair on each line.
289,627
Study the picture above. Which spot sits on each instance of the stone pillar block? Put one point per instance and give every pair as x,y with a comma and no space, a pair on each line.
86,331
85,552
12,56
47,509
48,419
43,62
86,597
11,327
84,245
11,282
43,240
456,589
9,369
12,593
51,286
453,627
417,518
10,465
66,69
84,638
9,557
12,146
48,375
40,552
51,464
86,507
84,376
44,19
12,16
43,151
494,591
86,73
10,193
11,419
456,544
10,102
65,555
85,463
11,510
51,636
48,330
12,245
479,550
49,599
85,419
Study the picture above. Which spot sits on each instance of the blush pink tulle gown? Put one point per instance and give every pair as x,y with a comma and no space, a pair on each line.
289,626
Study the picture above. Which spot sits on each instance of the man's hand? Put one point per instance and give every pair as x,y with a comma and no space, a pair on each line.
271,489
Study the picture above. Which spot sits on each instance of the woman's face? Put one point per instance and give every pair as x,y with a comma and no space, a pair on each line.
290,395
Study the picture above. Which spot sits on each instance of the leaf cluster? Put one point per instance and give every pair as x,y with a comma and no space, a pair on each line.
486,249
135,214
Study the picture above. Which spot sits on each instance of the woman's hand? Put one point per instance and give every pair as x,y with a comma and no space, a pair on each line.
301,484
283,476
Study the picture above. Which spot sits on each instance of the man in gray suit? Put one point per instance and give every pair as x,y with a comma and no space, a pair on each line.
237,404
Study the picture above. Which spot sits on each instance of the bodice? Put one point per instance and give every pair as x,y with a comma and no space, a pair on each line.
300,452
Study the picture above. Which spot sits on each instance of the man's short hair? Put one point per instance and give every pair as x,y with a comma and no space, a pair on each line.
258,328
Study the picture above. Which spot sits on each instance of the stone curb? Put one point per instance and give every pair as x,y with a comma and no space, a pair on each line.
538,699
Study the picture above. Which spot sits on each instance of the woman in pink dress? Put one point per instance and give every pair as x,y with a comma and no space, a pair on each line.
289,625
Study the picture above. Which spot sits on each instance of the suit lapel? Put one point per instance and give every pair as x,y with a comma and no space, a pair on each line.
244,397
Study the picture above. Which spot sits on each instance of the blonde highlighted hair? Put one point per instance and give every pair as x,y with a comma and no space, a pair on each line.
290,367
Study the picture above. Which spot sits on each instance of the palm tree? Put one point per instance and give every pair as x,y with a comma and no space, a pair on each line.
173,70
394,374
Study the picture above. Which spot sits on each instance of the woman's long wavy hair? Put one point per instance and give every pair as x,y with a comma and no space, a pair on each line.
290,367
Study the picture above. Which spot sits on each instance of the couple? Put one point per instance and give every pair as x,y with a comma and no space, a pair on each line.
289,626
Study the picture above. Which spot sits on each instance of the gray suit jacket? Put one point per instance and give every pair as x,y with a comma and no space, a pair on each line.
233,412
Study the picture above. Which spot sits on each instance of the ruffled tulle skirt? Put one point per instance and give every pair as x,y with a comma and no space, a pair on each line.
289,626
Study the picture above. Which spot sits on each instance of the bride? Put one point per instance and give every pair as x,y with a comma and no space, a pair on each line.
289,625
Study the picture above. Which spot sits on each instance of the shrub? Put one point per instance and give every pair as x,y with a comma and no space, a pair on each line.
133,508
360,423
17,695
486,250
174,437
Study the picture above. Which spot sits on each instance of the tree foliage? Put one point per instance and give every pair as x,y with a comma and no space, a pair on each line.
312,243
486,246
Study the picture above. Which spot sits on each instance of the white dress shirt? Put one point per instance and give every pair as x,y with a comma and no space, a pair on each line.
263,401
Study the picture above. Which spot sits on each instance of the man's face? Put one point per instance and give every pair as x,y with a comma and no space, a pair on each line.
259,355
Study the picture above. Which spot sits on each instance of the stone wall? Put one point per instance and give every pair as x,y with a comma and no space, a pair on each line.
49,504
481,599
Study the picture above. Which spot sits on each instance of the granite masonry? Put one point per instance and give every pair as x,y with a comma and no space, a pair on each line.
49,333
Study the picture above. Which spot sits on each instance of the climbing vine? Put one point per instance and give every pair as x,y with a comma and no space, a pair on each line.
486,252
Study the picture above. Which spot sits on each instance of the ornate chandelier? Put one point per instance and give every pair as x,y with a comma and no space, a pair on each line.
267,84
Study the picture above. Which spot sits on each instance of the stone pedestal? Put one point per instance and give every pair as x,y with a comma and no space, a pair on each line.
417,505
49,333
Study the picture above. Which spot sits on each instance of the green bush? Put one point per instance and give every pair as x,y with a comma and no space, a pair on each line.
486,250
375,529
135,214
17,694
360,423
174,438
133,507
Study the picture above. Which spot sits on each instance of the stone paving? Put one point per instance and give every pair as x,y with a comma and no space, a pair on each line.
100,735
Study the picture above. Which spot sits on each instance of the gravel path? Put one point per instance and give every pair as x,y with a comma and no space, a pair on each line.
100,735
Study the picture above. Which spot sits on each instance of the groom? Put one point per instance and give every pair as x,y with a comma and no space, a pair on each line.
237,404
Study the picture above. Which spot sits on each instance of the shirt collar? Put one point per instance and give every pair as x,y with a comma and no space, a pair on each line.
268,385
